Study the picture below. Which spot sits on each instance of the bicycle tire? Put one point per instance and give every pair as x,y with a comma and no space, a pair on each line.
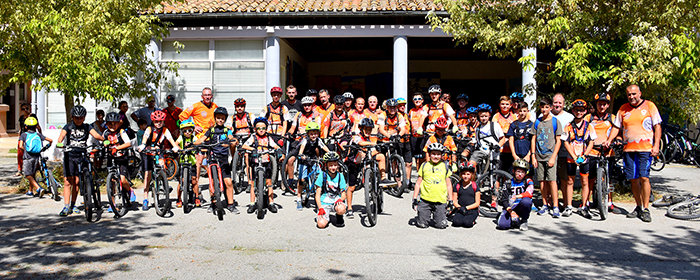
668,200
236,163
161,194
260,193
401,176
54,186
171,168
87,195
115,194
274,165
686,210
135,166
485,181
371,209
601,192
185,184
216,183
41,180
658,162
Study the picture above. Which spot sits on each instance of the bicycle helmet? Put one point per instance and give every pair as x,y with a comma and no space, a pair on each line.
367,122
331,156
401,100
78,111
221,110
522,164
311,92
260,120
463,96
441,123
307,100
470,166
436,147
392,102
339,100
239,102
602,97
471,110
434,88
186,123
348,95
113,117
578,103
31,121
158,116
312,126
517,95
483,107
276,90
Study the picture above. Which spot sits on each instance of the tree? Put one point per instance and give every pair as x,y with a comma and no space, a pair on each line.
601,45
83,48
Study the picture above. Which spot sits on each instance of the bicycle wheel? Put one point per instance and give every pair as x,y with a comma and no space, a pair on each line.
216,183
670,199
601,192
260,193
185,182
285,178
86,189
658,162
171,167
274,165
115,195
236,164
488,182
371,208
40,178
695,153
686,210
398,170
161,194
54,186
134,166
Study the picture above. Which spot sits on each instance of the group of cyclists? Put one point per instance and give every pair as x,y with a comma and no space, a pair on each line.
334,130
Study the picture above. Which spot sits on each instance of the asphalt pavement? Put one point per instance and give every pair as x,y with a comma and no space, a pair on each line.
36,243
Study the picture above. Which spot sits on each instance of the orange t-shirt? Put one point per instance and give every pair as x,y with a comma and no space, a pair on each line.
578,138
414,116
301,120
602,126
448,142
637,125
504,122
336,124
391,125
202,115
434,112
324,112
356,117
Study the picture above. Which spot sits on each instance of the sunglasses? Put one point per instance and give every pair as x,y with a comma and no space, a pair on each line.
261,128
25,109
189,130
417,99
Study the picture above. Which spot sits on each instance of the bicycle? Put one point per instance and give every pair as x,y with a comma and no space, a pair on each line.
374,199
490,180
686,210
117,195
261,196
215,178
670,199
679,146
286,187
395,167
160,189
602,187
171,164
238,166
88,189
187,194
45,178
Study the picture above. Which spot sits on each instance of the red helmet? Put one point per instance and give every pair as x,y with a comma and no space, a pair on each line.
441,123
276,89
158,116
239,102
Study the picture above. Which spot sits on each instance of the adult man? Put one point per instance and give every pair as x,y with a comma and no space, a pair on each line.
276,115
145,112
202,113
326,106
564,118
641,124
437,109
291,102
172,116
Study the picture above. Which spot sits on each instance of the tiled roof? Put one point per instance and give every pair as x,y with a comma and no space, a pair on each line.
291,6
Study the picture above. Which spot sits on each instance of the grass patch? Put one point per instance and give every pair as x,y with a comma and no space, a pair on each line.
13,151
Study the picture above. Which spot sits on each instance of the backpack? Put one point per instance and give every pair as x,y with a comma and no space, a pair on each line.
236,129
33,144
493,133
537,123
459,186
149,140
447,167
324,185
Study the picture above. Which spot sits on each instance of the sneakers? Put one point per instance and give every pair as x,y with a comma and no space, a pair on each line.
76,210
197,203
555,212
251,208
339,221
298,203
646,216
272,207
567,211
543,210
387,183
179,204
211,208
523,226
442,226
585,212
637,212
613,209
40,192
419,225
145,205
109,209
132,197
350,214
29,193
231,208
65,212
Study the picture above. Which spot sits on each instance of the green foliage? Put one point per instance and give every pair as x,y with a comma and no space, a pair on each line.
601,45
95,48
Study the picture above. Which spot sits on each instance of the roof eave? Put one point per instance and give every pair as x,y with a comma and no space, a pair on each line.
300,14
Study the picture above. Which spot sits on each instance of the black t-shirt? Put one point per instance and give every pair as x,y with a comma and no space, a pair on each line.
77,136
521,132
297,106
465,196
218,134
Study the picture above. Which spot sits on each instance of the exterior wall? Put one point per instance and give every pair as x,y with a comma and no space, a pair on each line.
293,68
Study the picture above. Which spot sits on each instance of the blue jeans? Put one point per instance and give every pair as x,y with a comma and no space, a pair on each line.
637,165
522,208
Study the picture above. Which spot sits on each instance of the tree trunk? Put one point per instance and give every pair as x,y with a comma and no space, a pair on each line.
68,100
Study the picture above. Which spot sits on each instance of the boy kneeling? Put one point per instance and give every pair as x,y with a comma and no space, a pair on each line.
330,192
518,201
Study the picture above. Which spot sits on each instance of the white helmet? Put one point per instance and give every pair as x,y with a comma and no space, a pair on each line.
348,95
307,100
436,147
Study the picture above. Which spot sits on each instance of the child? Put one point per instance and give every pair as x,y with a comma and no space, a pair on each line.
504,118
441,137
434,186
467,198
309,147
31,143
183,141
416,117
518,202
355,158
262,142
519,136
578,140
142,128
118,142
544,149
153,137
330,192
487,132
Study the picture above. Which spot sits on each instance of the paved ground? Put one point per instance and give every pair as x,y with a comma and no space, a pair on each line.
36,243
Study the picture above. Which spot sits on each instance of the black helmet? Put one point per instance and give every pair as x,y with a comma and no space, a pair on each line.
112,117
392,102
221,110
311,92
339,99
602,97
78,111
331,156
367,122
463,96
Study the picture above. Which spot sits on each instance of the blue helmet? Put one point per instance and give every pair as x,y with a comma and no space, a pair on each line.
471,110
463,96
483,107
260,119
517,95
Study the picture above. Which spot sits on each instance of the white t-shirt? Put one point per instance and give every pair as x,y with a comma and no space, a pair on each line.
485,135
565,118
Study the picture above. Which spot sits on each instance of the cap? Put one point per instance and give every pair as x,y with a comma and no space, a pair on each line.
170,98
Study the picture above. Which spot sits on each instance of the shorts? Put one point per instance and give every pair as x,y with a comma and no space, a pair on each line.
353,171
405,152
70,166
122,163
637,165
506,161
562,168
417,145
546,173
330,208
305,169
147,162
267,165
479,155
583,169
437,210
30,164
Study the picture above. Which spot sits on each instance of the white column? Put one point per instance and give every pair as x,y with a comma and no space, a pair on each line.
529,85
39,105
153,54
272,63
400,67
